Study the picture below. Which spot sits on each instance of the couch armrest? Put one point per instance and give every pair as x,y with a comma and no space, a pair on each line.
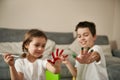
116,53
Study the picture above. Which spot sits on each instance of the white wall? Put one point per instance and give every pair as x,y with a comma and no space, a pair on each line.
116,28
61,15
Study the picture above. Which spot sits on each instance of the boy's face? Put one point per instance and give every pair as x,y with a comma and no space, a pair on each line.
85,37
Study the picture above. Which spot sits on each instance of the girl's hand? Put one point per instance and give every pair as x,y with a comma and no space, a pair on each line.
9,59
58,57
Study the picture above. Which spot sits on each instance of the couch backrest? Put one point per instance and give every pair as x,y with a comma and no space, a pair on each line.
11,35
16,35
102,40
61,37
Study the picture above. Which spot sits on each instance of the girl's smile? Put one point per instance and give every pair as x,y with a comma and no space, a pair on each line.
37,46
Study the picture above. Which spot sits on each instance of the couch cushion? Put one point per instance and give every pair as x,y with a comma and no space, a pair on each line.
16,47
102,40
114,71
75,47
116,53
11,47
61,37
110,60
106,50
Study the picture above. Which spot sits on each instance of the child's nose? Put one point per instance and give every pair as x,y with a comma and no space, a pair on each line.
82,37
39,48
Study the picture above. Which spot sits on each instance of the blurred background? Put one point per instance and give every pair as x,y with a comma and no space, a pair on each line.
63,15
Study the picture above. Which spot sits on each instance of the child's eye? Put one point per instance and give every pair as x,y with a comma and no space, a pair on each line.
86,35
43,46
37,45
78,36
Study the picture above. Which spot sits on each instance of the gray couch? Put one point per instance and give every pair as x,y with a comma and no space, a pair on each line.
63,41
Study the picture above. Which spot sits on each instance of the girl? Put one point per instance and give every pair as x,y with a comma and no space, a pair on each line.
31,67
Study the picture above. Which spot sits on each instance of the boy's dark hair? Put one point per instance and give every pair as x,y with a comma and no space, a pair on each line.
86,24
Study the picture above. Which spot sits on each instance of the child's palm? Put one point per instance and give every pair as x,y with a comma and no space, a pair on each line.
56,56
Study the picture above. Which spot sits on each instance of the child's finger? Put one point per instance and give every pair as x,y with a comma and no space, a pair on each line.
10,59
51,61
82,50
61,52
80,60
57,51
85,50
53,55
93,57
5,55
96,56
91,51
65,56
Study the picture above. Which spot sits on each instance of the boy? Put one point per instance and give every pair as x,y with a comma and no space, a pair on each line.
90,63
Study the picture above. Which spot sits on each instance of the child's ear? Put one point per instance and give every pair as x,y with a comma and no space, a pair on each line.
26,46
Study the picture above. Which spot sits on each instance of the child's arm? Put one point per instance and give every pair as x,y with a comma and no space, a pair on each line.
54,68
9,59
70,67
54,64
14,74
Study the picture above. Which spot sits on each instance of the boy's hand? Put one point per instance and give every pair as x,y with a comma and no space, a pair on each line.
84,55
87,57
94,57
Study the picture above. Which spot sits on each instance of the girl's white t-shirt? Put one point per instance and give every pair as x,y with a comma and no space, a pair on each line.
31,71
93,71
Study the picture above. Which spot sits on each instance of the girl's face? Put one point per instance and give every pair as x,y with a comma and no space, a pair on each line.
36,46
85,37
